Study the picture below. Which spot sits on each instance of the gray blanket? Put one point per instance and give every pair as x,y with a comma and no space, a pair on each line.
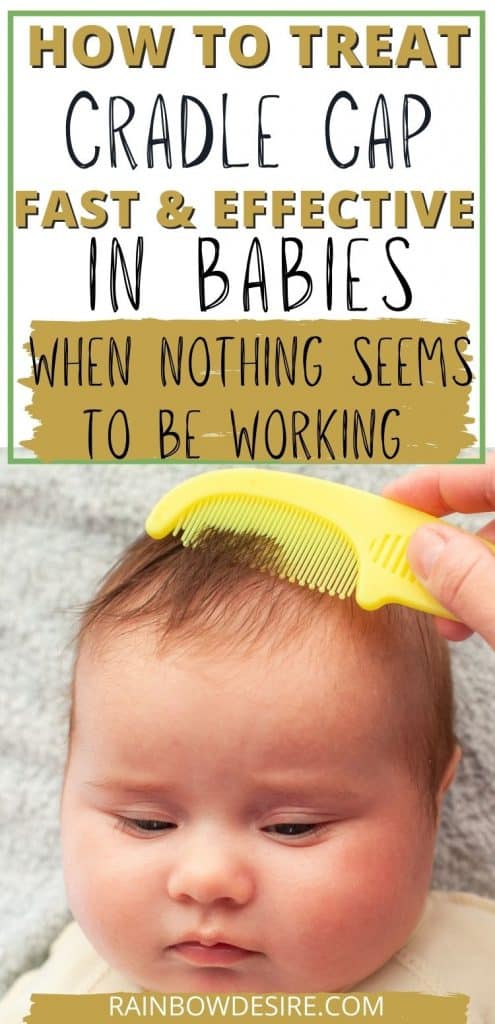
61,527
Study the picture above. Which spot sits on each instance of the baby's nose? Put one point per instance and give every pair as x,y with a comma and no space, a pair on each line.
211,869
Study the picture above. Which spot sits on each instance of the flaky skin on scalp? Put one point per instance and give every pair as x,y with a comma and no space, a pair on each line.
220,591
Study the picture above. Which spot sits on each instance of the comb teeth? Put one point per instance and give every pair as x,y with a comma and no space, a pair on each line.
310,551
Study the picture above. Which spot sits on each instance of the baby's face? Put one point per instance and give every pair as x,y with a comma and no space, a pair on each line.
243,822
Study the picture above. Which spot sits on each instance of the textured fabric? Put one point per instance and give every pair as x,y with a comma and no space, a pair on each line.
60,528
452,950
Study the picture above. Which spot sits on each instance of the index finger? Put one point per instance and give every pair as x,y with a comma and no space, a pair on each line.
441,490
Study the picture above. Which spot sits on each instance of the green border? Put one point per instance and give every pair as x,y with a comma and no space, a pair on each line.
10,236
482,254
480,14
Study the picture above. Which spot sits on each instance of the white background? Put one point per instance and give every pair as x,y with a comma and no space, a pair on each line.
441,265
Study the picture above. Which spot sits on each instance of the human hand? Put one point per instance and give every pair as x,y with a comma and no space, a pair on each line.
454,567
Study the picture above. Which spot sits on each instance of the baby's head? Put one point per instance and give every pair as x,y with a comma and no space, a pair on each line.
254,775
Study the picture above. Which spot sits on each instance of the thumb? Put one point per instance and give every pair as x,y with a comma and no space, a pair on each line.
459,570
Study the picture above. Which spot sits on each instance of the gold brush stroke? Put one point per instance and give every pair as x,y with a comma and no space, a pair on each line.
398,1008
432,426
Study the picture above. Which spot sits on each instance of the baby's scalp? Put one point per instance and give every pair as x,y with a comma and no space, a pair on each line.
217,594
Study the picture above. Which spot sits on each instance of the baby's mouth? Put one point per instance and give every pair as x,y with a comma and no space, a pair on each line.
204,953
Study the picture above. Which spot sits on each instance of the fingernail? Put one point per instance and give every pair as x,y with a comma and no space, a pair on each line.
425,547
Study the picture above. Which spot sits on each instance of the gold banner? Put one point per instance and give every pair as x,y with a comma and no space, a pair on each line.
360,1007
250,391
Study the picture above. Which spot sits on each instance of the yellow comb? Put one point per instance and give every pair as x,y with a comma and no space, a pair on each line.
330,537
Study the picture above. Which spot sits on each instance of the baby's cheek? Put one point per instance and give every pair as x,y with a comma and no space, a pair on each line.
106,889
357,899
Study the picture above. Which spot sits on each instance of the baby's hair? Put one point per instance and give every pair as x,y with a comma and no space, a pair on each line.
219,592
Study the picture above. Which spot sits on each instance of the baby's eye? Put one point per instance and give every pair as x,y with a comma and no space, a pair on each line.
147,825
293,829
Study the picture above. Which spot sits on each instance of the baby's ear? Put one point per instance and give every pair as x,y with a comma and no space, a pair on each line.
449,774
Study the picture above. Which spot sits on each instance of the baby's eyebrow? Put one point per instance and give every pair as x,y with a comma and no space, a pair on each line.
141,788
300,775
302,783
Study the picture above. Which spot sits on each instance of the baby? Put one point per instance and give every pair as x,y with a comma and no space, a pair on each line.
253,788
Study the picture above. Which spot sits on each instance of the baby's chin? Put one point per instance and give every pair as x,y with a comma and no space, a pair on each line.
204,981
222,980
